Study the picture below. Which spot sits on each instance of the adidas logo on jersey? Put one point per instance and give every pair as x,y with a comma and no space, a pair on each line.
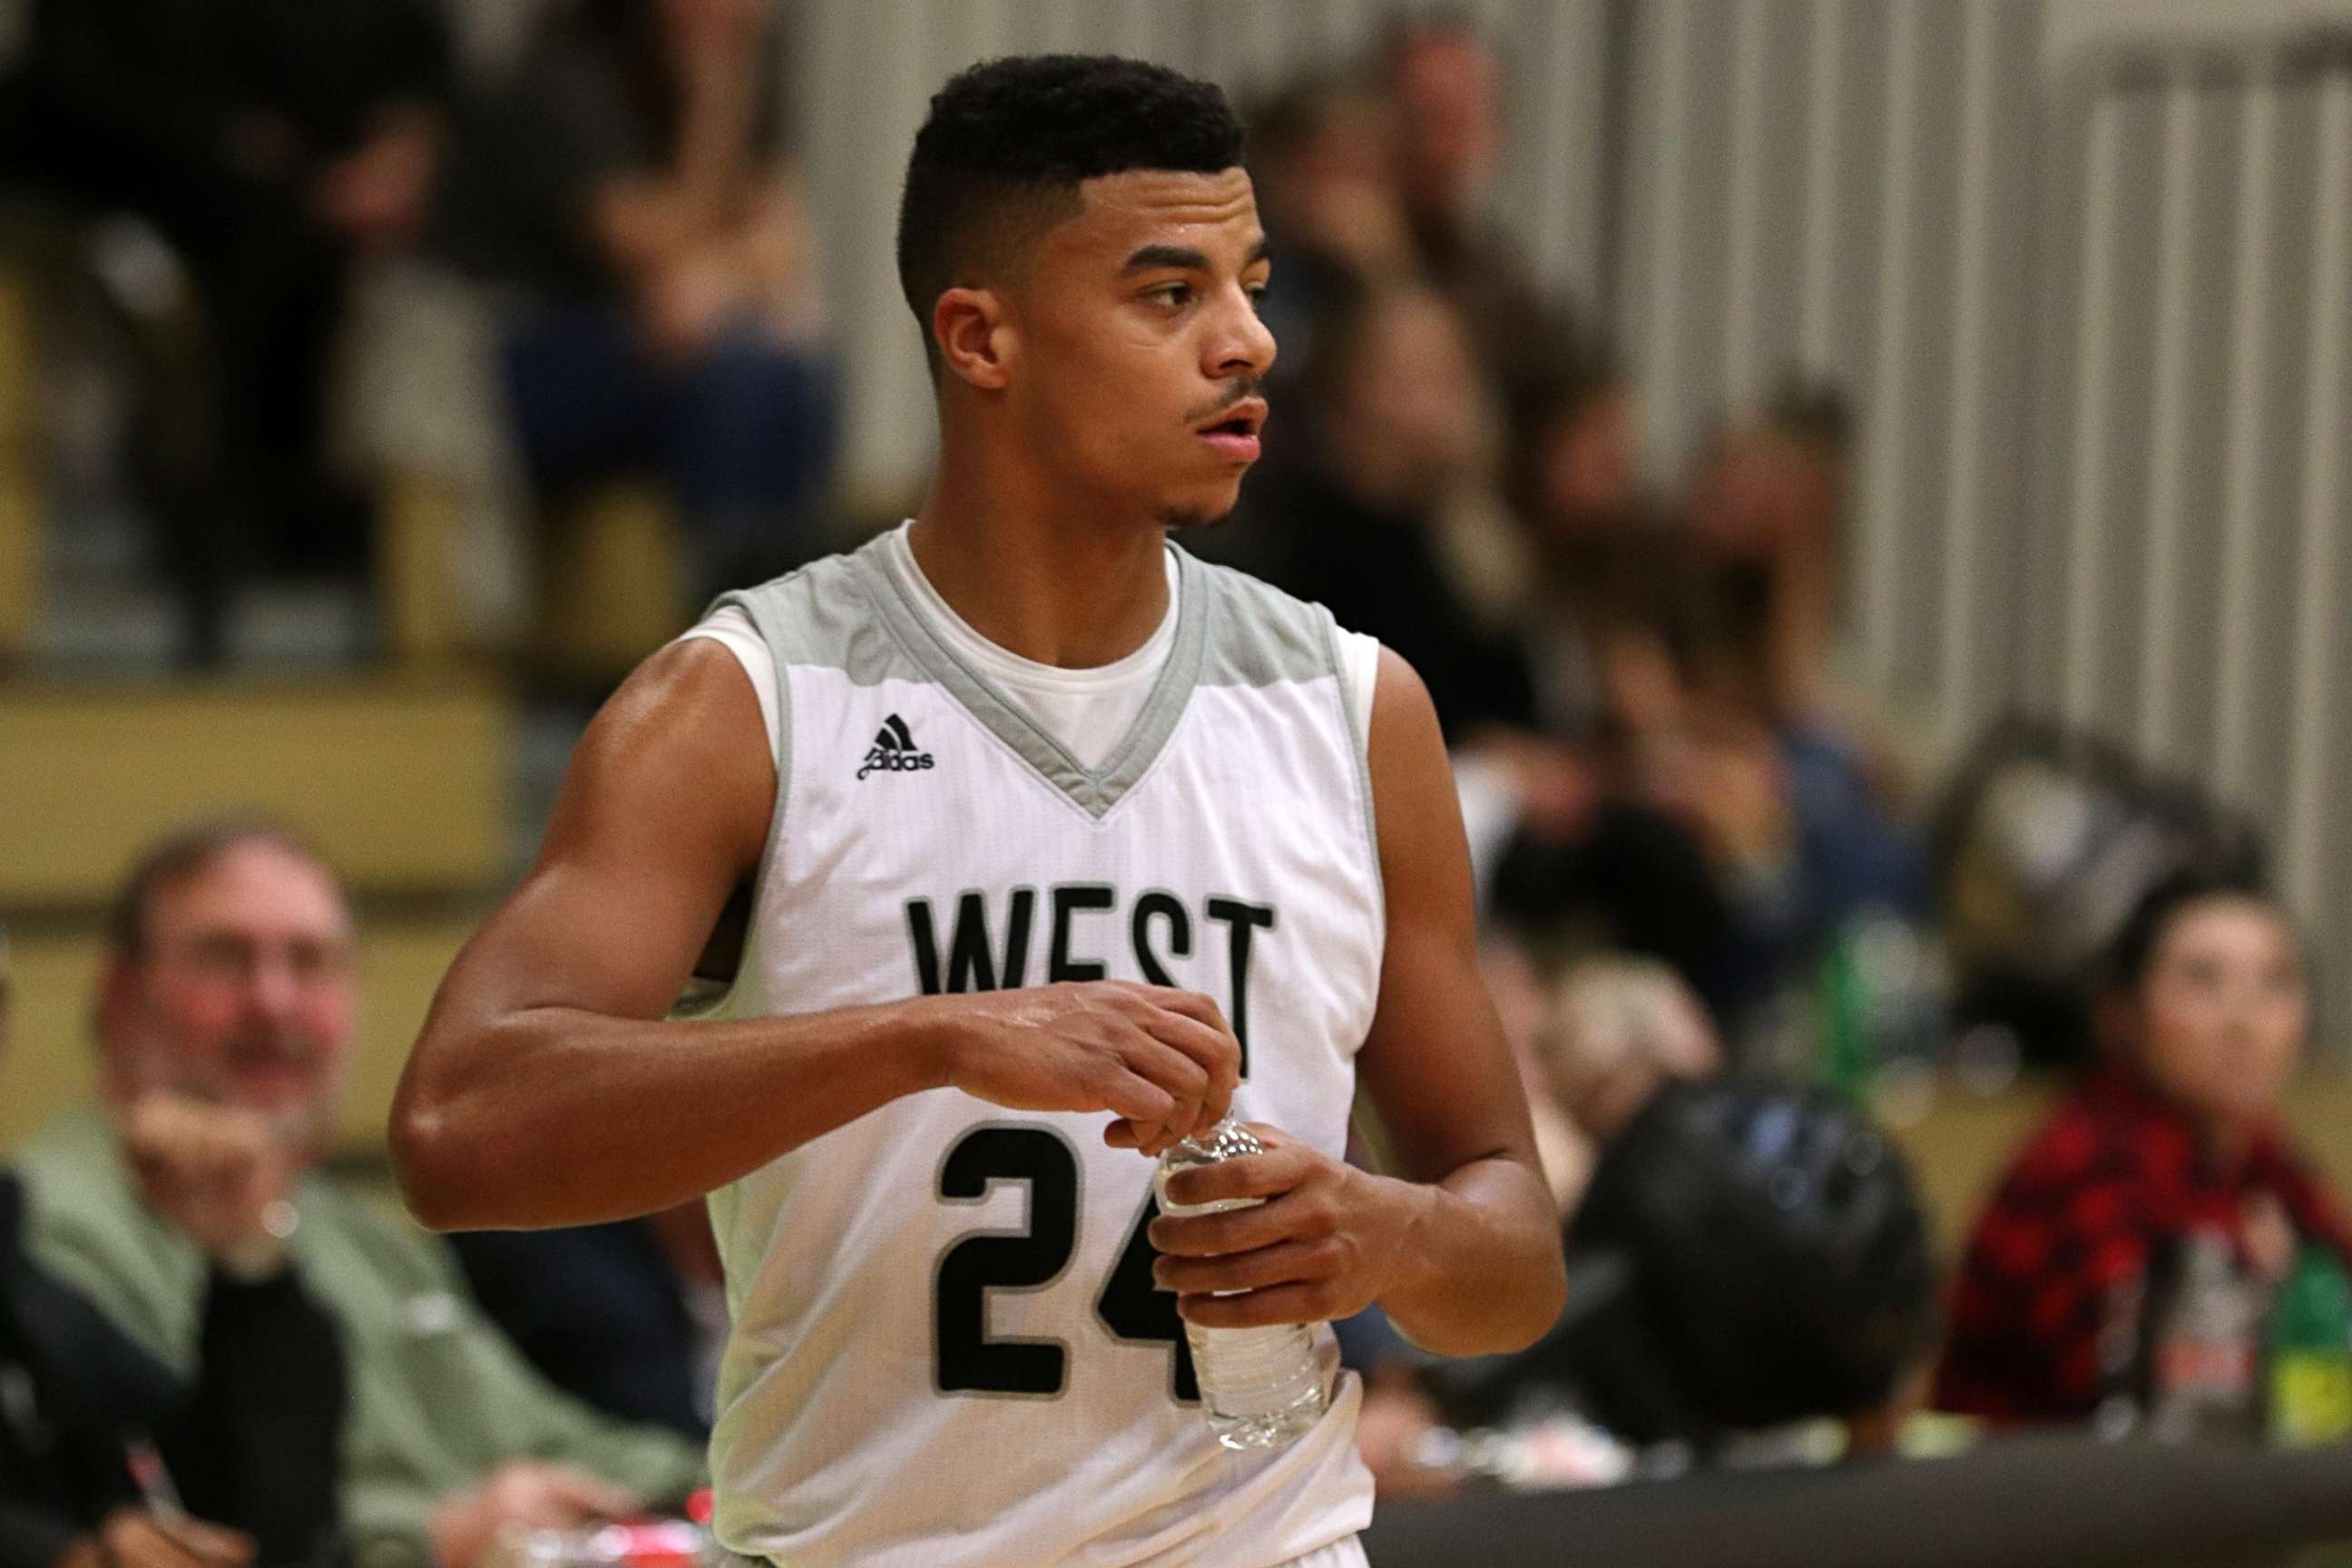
893,751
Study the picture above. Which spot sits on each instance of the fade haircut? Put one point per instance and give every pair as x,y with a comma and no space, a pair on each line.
1007,144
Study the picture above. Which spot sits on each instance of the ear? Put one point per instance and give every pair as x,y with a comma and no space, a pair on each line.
974,336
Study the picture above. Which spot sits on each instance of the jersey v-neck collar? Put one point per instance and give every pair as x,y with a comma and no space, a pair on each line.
1092,790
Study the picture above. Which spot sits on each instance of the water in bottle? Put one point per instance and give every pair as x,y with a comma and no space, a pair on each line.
2204,1349
1261,1387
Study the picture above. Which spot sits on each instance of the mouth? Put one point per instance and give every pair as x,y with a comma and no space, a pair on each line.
1233,434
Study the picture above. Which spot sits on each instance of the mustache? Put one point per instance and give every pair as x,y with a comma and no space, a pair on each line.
1239,393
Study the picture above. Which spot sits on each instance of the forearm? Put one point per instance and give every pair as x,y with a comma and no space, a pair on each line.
552,1116
1483,1272
714,161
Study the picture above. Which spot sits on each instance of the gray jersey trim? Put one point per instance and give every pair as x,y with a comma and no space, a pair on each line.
1361,735
1264,637
813,615
1092,790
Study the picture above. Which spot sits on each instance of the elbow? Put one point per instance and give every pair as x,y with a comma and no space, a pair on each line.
430,1162
1506,1321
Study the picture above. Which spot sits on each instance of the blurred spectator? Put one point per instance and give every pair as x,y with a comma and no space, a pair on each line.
1768,500
1613,1031
1747,1257
227,995
249,1447
1322,157
273,145
1447,86
1743,1255
2204,1013
2045,839
1800,845
1387,428
629,190
607,1312
1353,515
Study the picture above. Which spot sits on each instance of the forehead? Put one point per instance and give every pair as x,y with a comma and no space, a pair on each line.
2231,923
1118,213
259,887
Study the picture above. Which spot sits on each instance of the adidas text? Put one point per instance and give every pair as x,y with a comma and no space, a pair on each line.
879,760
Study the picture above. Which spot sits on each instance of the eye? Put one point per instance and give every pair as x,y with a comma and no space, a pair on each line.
1174,295
1256,292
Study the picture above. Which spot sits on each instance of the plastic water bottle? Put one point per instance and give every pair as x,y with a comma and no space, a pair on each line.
1261,1387
2205,1349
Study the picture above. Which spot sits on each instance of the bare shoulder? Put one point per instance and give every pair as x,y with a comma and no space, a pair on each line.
681,749
1406,751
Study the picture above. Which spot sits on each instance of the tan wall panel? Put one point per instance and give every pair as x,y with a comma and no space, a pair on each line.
403,788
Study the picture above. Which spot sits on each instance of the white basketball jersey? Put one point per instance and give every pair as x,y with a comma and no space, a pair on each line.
947,1350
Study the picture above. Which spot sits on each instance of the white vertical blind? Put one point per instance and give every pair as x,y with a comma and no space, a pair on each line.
2160,585
2320,679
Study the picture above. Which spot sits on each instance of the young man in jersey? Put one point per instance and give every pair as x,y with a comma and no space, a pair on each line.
1060,842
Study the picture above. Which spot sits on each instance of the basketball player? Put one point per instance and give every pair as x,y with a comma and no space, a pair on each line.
1059,841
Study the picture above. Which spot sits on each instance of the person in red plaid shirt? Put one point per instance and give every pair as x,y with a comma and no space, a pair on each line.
2205,1013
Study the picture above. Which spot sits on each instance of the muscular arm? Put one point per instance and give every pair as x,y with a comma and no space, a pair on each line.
547,1088
1483,1272
1461,1247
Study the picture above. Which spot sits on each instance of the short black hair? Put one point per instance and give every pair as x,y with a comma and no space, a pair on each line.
184,854
2132,953
1008,142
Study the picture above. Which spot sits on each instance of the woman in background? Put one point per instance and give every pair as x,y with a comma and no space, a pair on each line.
2205,1013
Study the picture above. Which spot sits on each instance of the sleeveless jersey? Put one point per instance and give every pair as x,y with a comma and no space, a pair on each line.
947,1350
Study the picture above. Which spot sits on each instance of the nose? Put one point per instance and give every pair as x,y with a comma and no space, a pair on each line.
274,990
1244,345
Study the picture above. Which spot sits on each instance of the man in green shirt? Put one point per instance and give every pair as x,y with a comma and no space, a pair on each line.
228,996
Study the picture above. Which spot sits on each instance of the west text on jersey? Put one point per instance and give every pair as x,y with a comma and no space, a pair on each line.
1159,926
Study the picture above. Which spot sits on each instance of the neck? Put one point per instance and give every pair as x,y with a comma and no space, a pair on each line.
1061,581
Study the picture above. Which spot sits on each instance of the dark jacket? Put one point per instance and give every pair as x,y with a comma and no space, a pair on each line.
253,1445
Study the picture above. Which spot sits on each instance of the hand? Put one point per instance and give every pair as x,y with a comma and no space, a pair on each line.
684,306
219,1173
1327,1241
376,194
527,1494
1165,1061
134,1538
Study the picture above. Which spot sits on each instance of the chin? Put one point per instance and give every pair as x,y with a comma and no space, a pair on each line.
1202,512
1175,518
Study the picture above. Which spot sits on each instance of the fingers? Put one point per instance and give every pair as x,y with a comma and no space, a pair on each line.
1124,1093
1284,1263
1305,1302
1209,1045
143,1540
1279,1170
209,1543
1295,1217
1183,1080
590,1496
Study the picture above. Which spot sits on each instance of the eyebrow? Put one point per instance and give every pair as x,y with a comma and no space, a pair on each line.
1186,258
